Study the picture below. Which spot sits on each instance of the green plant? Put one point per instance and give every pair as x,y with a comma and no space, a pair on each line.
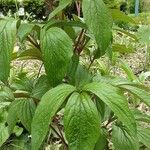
144,38
70,101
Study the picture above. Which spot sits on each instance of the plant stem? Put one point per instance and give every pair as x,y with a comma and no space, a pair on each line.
78,41
16,8
32,42
110,120
24,95
39,70
78,6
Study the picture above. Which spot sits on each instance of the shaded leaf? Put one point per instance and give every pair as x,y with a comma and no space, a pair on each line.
72,68
82,76
24,29
102,143
41,87
12,117
26,112
30,53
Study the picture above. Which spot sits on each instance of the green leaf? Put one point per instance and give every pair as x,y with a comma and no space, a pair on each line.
81,122
99,22
138,92
57,51
72,68
122,48
4,104
114,98
64,23
18,143
24,30
144,76
23,110
26,112
4,135
82,76
140,116
104,111
117,15
7,41
18,131
130,74
144,34
132,35
70,31
46,109
12,117
144,135
30,53
122,140
40,87
63,4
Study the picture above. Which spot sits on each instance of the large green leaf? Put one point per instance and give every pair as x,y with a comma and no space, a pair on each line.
122,140
81,122
144,135
7,41
46,109
99,22
63,4
26,112
57,51
137,91
114,98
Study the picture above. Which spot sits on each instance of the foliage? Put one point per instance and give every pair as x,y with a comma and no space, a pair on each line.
72,103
